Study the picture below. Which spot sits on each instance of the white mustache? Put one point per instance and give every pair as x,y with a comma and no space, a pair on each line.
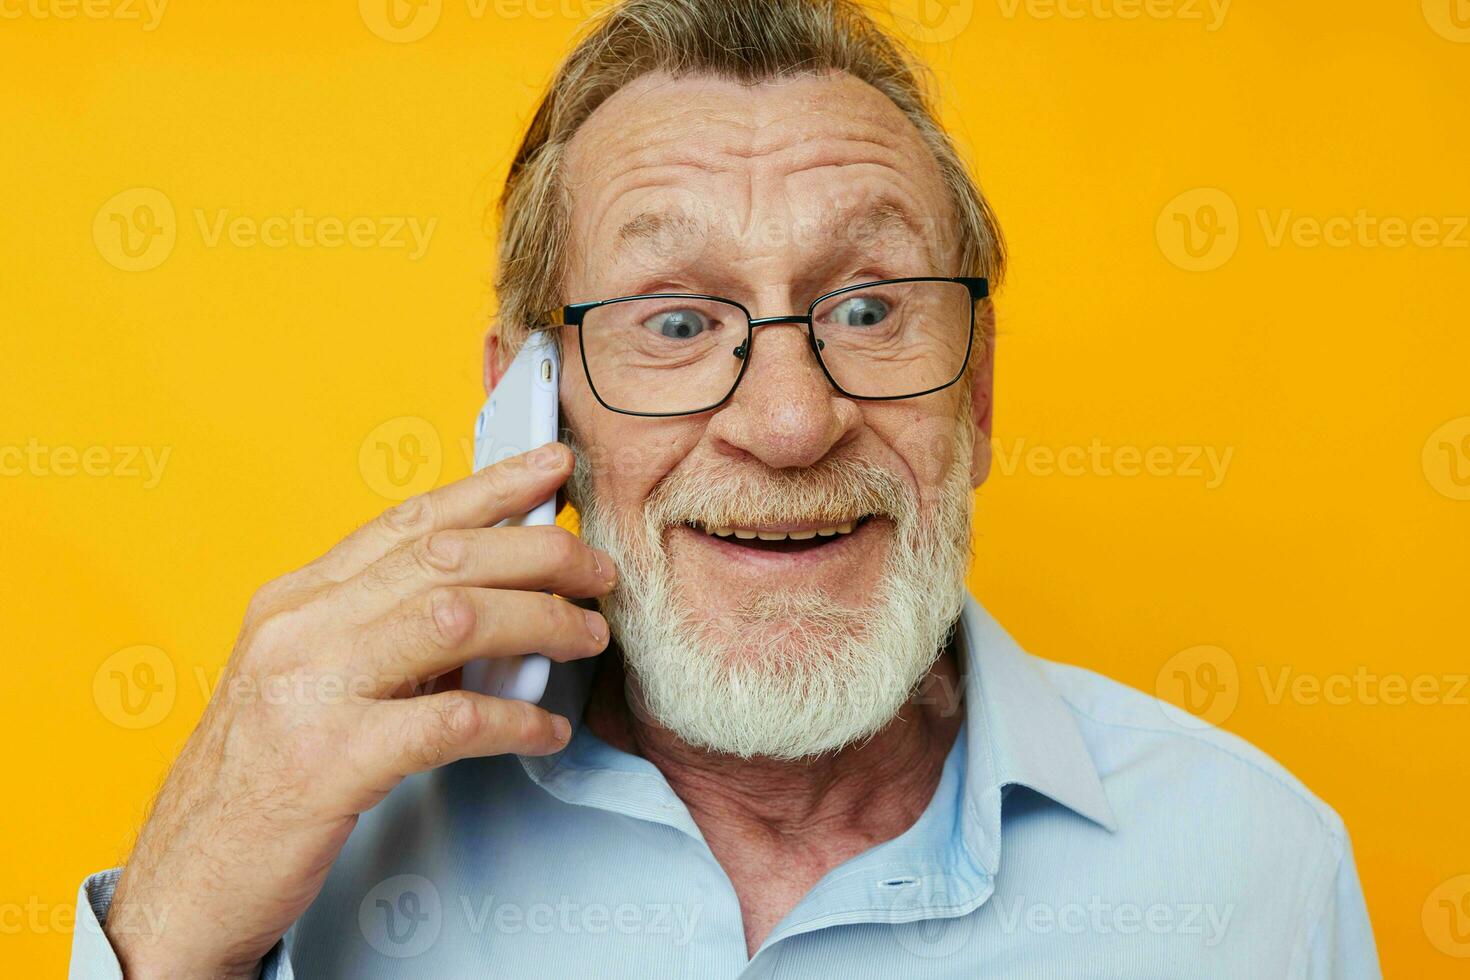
735,495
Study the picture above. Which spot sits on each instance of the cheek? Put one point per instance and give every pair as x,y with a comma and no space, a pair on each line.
925,439
625,455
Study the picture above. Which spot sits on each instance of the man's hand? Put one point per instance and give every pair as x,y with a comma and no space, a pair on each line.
317,716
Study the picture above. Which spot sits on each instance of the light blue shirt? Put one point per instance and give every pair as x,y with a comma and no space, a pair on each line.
1080,828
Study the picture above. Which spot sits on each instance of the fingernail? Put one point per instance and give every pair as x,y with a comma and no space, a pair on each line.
606,570
596,625
561,728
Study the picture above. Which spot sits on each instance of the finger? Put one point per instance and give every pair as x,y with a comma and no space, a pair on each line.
441,629
416,734
508,488
547,559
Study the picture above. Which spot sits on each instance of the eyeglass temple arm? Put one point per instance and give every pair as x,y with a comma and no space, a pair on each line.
570,315
978,286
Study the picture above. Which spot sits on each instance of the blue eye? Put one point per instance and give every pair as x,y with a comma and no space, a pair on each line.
859,311
678,324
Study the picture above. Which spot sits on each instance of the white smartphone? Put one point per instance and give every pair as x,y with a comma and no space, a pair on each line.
520,414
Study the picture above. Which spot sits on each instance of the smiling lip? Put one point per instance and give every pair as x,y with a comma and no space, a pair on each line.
805,531
768,557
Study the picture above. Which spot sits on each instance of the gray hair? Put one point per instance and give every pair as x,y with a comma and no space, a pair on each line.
749,41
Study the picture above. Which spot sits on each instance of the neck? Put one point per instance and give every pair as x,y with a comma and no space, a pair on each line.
778,826
872,791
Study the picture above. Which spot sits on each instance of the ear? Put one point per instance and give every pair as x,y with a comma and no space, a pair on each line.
494,364
982,395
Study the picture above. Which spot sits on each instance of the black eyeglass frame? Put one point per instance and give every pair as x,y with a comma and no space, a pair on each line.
573,315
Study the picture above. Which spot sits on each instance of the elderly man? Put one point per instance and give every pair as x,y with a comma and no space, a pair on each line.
806,752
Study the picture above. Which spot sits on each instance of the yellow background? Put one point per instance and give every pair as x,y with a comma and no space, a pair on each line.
1334,545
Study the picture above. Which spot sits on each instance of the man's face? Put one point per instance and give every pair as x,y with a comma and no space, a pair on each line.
770,195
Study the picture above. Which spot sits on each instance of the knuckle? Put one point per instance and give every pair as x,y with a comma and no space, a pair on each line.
562,545
500,481
531,726
451,616
269,638
459,719
561,623
269,596
440,551
411,517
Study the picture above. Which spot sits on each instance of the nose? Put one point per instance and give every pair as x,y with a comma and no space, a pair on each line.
784,413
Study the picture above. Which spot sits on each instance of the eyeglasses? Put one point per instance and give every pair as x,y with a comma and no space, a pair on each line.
663,354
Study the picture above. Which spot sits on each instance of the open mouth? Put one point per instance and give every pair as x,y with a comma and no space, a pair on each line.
788,538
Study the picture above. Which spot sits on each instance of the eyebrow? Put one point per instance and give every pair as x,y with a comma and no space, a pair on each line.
651,226
853,227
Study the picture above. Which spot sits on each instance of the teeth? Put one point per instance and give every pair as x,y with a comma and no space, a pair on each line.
745,535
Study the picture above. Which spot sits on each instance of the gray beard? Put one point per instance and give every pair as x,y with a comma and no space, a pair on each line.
786,674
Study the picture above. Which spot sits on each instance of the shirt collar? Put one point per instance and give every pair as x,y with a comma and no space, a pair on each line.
1018,732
